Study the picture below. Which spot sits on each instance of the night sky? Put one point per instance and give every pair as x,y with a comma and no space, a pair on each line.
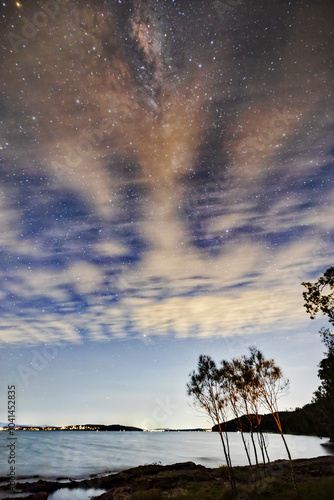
166,185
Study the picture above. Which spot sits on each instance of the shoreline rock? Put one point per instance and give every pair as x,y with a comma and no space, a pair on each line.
176,478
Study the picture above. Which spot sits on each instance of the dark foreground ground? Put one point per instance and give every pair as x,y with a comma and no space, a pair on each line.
314,478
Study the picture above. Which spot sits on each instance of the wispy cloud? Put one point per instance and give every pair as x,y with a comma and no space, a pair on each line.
153,191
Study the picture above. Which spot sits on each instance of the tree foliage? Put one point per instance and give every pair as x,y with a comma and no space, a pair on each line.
208,390
316,298
324,395
241,388
320,297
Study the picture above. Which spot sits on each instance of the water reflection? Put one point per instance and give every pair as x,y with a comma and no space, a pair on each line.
75,494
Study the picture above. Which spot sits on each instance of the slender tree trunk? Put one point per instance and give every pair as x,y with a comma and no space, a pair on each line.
264,452
239,428
286,445
265,448
293,477
228,460
255,453
246,448
228,448
259,440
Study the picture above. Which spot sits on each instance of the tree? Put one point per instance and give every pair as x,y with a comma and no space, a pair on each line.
324,395
320,297
315,297
271,385
242,387
250,391
230,378
209,394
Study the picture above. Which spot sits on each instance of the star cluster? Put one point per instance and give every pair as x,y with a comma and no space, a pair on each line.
166,167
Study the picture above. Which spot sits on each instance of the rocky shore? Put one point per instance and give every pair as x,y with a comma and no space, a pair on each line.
188,480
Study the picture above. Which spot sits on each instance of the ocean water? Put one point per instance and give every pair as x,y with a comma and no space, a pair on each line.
80,454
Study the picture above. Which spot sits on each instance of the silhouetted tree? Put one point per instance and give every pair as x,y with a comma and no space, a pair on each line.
243,386
209,394
271,385
320,297
251,394
229,377
316,298
324,395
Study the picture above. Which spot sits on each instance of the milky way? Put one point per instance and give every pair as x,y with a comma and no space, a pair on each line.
166,167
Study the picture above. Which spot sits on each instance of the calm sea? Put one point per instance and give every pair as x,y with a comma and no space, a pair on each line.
79,454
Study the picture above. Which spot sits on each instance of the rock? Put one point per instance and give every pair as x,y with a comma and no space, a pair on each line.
177,492
122,493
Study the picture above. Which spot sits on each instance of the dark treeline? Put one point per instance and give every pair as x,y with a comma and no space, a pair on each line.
319,297
304,421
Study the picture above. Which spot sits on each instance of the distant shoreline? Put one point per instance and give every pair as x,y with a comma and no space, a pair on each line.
298,422
108,428
115,428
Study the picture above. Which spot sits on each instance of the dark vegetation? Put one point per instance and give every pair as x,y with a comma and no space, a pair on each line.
319,296
241,387
113,427
303,421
